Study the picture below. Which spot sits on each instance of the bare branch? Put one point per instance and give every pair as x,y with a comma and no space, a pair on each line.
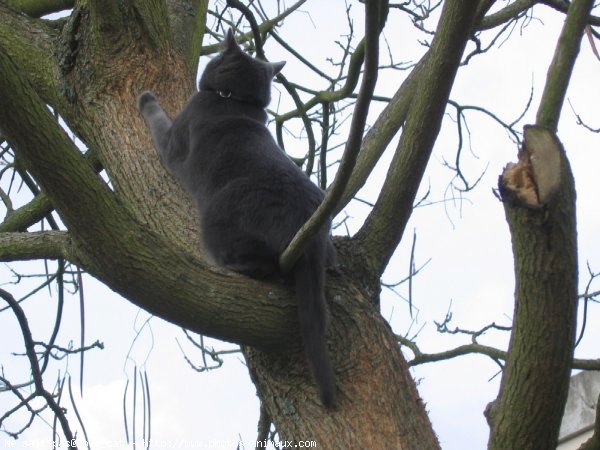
511,12
581,122
375,16
39,8
303,115
214,355
299,56
57,352
60,273
467,349
519,7
36,373
27,215
87,440
258,43
473,349
559,73
382,132
345,91
35,245
385,225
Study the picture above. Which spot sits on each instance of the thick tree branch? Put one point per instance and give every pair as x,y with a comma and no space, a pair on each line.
28,42
352,77
476,348
384,226
381,133
559,72
36,245
39,8
519,7
375,18
564,6
188,24
506,14
586,364
22,218
539,201
264,27
538,194
385,127
128,255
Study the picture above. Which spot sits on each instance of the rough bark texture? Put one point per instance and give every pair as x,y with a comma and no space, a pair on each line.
379,406
539,200
544,239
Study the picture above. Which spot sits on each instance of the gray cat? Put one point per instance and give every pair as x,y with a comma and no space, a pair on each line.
252,199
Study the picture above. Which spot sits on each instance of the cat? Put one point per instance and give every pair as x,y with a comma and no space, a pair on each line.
251,197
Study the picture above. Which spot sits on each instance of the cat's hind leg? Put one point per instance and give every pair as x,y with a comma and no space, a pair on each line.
236,249
245,255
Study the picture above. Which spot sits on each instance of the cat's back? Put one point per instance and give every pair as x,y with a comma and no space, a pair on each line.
228,140
219,128
211,120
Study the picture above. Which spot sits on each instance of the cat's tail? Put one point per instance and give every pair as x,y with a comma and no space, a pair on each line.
309,274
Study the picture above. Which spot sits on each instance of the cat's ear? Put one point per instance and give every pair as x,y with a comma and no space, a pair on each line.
230,43
276,67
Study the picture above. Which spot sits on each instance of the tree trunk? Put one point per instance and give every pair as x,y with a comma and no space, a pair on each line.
539,200
379,406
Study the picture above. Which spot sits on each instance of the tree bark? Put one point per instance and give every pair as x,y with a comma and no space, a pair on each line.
379,406
540,209
539,200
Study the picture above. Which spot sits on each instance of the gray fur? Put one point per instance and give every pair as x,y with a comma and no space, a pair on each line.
251,197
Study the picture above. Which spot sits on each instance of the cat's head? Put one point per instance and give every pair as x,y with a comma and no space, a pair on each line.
239,75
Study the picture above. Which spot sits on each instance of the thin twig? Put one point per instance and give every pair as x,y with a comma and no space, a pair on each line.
87,440
373,28
35,368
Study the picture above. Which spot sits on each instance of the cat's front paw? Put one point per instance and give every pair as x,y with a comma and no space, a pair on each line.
144,99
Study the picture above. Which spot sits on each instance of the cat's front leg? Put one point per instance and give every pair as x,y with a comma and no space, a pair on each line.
157,120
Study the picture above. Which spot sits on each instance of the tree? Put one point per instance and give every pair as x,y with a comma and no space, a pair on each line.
133,230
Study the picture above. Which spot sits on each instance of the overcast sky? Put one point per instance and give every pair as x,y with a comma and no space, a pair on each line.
467,240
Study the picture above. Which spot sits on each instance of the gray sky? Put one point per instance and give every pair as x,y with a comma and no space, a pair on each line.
467,240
